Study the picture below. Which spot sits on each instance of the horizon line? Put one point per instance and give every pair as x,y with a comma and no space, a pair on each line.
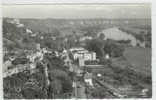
71,18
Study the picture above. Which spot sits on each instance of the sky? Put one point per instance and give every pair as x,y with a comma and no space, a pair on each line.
111,11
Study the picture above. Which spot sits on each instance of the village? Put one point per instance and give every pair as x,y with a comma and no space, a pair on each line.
70,59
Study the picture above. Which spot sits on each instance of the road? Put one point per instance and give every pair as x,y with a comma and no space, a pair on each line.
80,88
81,91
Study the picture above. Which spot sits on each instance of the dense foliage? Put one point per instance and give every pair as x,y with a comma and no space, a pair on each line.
113,49
102,47
95,45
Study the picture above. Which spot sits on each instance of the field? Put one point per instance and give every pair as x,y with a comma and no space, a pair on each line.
139,58
136,30
128,75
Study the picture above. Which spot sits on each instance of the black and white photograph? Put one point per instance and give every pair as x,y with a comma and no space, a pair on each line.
77,51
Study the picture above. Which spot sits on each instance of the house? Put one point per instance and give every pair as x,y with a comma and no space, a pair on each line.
8,63
71,69
44,50
99,75
20,25
81,53
56,53
39,55
17,69
64,53
85,55
76,56
28,31
31,57
13,21
53,38
41,37
38,46
88,79
32,65
33,35
76,49
67,61
35,56
90,56
107,56
82,39
81,62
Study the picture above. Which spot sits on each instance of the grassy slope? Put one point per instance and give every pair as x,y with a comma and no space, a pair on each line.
139,58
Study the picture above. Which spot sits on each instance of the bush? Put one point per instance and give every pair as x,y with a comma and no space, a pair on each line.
105,61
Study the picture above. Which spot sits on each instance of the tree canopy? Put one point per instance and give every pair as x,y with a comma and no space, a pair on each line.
95,45
113,49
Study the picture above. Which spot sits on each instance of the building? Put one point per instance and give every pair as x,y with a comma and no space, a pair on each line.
15,70
85,55
81,62
38,46
16,22
107,56
32,67
67,61
88,79
20,25
8,63
28,31
81,53
82,39
76,49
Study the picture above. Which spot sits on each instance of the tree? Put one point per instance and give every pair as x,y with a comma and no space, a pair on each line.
140,37
71,41
33,93
91,30
113,49
95,45
106,62
62,81
11,31
55,88
102,36
54,62
99,93
57,73
55,32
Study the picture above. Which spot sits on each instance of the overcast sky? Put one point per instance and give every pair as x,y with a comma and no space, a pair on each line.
77,11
